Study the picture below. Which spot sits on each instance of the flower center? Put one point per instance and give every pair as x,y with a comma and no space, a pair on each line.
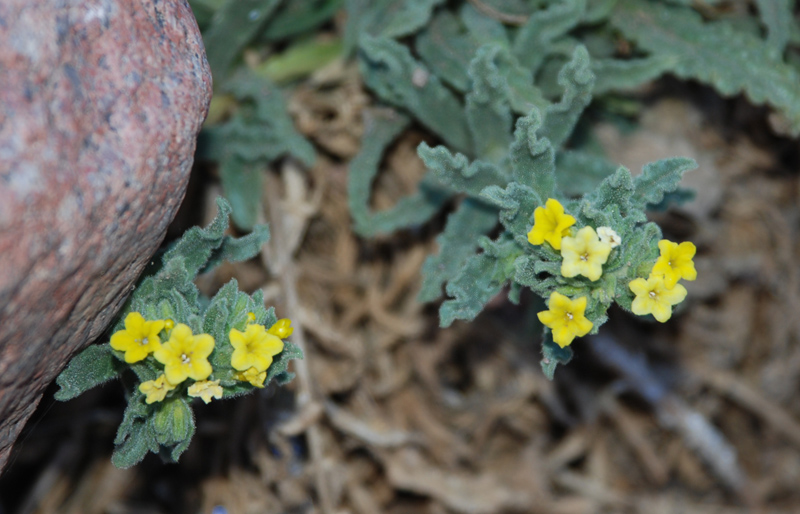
143,341
653,295
569,316
585,257
185,358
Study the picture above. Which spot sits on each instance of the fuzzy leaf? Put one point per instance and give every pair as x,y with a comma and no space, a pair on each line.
239,249
577,80
658,178
392,73
553,355
278,370
626,74
197,244
95,365
580,173
534,39
470,290
457,172
457,243
242,186
488,111
135,446
385,18
173,422
135,436
715,53
294,18
516,204
232,27
777,16
449,43
532,158
261,130
381,127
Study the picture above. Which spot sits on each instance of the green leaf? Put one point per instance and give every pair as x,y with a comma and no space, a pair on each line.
577,80
385,18
300,60
135,436
392,73
449,43
517,204
457,172
216,315
242,186
93,366
470,290
197,244
714,53
173,422
232,27
294,18
553,355
135,446
381,126
480,279
457,243
658,178
580,173
261,130
488,110
534,39
239,249
627,74
278,369
777,16
532,158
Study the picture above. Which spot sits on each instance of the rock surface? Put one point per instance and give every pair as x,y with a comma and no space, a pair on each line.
100,105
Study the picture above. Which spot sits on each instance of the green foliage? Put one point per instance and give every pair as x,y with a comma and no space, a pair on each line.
166,425
92,367
505,103
381,127
386,18
259,129
716,53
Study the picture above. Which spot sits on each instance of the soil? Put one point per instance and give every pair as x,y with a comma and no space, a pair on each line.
390,413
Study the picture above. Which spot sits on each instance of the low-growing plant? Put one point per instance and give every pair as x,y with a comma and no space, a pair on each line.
504,86
170,344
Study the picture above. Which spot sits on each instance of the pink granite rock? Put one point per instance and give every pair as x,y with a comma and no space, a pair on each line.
100,105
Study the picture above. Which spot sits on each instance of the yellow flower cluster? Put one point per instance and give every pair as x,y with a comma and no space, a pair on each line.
661,290
254,349
185,355
583,252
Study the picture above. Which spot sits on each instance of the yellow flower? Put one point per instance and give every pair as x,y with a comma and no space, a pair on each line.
253,376
584,255
550,224
654,297
139,339
566,318
281,328
675,262
254,348
206,389
156,390
185,355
